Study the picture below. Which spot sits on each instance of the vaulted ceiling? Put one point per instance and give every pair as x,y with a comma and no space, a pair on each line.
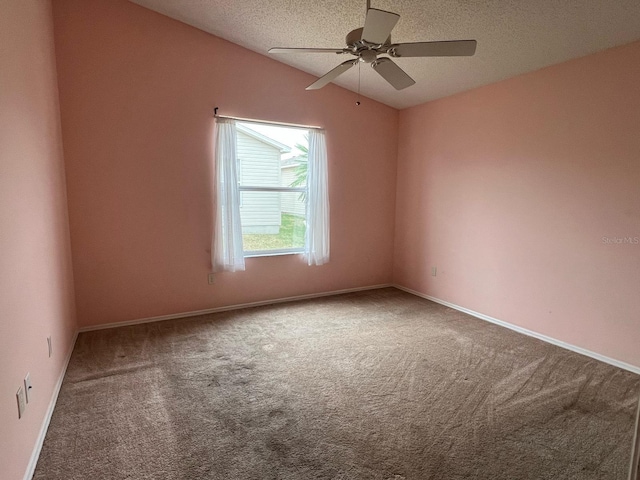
514,36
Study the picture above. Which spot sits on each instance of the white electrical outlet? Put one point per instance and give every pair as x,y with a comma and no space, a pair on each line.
22,403
211,278
434,271
50,347
28,388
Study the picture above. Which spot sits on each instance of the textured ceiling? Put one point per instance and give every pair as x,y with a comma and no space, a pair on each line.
514,36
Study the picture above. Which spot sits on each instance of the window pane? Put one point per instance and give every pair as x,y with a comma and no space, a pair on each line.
272,220
272,156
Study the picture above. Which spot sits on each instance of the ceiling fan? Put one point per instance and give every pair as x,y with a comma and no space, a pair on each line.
374,39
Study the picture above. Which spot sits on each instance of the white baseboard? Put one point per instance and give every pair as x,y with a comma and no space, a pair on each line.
35,454
530,333
231,307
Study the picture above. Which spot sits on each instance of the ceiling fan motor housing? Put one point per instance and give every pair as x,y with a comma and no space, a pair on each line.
368,56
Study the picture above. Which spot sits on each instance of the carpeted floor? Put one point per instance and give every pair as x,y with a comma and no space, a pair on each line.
373,385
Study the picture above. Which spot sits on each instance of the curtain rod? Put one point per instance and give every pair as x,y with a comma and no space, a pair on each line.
266,122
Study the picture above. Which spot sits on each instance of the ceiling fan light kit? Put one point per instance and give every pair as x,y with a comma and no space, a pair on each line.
374,39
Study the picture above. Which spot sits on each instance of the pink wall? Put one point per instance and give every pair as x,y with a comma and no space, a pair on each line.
509,191
137,92
36,293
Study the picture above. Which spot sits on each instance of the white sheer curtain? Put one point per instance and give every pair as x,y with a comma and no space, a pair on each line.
226,245
316,248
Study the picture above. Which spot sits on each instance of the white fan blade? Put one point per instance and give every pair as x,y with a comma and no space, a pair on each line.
306,50
332,75
454,48
392,73
378,26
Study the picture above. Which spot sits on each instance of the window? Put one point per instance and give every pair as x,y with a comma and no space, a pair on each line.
272,179
272,193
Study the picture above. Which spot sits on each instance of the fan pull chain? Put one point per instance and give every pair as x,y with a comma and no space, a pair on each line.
358,98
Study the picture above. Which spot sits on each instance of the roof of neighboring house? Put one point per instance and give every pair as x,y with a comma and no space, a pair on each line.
293,161
263,138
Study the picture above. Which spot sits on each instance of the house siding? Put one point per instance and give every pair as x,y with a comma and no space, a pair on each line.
259,166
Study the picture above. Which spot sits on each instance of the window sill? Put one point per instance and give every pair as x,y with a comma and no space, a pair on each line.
272,253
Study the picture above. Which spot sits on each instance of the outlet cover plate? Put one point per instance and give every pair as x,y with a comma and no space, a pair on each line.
22,402
50,346
211,278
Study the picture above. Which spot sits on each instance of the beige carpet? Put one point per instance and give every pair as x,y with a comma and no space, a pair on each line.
372,385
